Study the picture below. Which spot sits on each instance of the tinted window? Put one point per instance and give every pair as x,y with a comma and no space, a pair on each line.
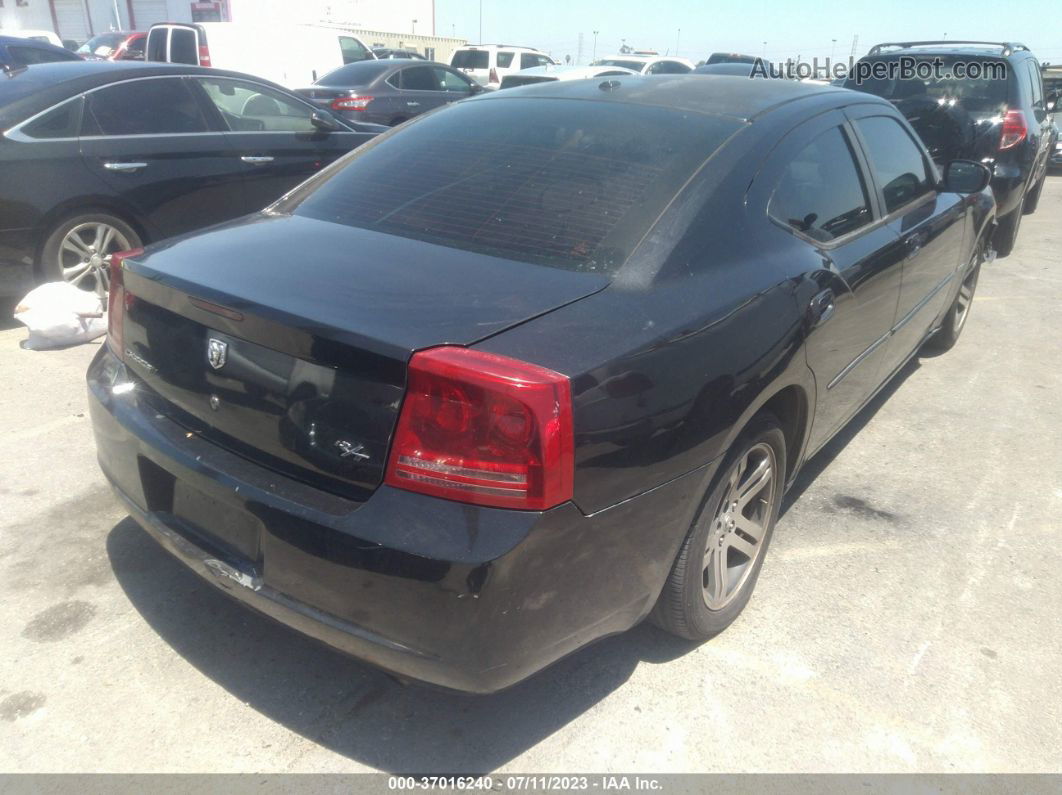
538,180
1037,85
896,160
355,74
156,44
451,81
505,59
353,50
32,55
144,107
63,122
983,96
252,107
417,78
470,59
529,60
184,47
821,193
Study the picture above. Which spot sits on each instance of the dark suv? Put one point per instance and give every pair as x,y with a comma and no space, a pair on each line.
971,99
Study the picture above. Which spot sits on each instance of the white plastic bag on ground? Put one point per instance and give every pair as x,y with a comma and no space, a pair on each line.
59,314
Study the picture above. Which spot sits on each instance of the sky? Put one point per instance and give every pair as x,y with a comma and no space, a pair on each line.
789,29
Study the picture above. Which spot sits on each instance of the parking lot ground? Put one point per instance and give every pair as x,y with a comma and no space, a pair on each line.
907,618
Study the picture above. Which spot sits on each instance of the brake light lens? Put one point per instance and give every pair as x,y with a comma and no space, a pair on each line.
1015,129
484,429
351,103
493,77
204,55
118,300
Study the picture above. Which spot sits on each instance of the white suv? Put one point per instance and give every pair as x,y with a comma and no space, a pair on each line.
487,64
648,64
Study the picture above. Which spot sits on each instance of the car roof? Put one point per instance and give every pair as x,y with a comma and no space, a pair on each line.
739,98
498,47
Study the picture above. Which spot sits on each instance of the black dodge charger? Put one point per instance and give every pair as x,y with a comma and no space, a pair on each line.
533,367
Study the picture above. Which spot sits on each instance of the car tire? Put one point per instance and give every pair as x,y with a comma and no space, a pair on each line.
959,311
1007,232
1032,199
76,249
715,572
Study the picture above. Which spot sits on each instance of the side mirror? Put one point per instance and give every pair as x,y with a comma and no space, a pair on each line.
966,176
1052,101
323,122
476,88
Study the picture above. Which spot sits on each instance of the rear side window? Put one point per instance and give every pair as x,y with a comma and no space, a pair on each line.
821,193
144,107
505,59
470,59
416,78
896,160
451,81
529,60
248,107
536,180
184,47
1036,81
62,122
156,44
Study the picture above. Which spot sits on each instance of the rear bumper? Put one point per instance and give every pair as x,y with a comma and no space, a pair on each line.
473,599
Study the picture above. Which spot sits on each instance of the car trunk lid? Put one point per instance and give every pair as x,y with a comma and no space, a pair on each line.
286,339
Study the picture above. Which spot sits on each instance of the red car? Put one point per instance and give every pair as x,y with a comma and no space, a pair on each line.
122,45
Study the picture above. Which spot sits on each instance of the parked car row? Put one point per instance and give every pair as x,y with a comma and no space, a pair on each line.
100,157
522,372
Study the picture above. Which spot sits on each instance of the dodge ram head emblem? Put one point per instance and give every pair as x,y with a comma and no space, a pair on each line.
217,353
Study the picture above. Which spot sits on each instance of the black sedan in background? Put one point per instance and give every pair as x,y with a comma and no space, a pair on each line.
16,53
96,157
389,91
534,367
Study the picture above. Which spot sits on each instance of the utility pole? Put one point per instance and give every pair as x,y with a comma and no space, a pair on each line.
414,31
833,50
855,45
594,56
678,38
480,21
579,52
764,53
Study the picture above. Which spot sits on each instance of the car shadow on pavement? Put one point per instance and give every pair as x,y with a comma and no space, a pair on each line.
350,707
816,465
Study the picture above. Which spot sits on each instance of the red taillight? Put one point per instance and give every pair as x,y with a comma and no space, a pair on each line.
351,103
1014,129
484,429
204,55
118,301
493,78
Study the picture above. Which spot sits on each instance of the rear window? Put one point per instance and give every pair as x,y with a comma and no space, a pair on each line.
470,59
573,186
31,55
979,96
184,47
355,74
156,44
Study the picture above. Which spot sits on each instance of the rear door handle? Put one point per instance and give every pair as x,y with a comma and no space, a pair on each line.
413,104
821,308
124,166
256,159
914,244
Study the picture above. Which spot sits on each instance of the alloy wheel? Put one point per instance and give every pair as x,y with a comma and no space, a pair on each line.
966,292
735,538
84,255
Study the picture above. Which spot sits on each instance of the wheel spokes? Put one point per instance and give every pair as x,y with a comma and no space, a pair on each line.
757,481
